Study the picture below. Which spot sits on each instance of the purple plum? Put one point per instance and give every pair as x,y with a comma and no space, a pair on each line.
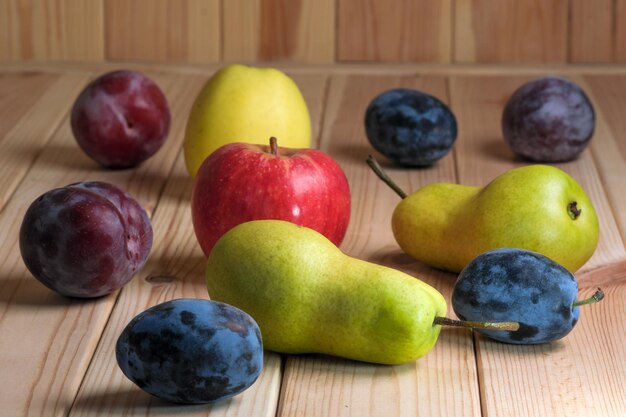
121,119
549,119
86,239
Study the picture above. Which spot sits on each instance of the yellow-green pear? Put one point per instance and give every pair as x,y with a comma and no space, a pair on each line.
309,297
535,207
245,104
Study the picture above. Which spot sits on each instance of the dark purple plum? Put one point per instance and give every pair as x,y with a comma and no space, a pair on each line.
86,239
410,127
520,286
120,119
549,119
191,351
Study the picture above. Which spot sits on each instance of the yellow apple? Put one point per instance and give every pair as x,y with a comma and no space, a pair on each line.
245,104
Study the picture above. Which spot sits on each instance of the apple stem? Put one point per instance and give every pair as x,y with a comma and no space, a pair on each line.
573,210
274,146
378,170
597,296
503,325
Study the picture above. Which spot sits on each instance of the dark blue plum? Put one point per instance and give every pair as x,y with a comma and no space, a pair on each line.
517,285
549,119
410,127
191,351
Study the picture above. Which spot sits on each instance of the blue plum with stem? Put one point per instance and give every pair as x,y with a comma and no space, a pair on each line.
518,285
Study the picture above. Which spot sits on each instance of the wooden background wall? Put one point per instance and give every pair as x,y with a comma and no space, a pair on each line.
315,31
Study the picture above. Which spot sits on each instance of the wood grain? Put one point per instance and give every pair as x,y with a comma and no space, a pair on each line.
513,31
279,30
23,143
323,386
619,32
410,31
18,92
163,30
541,380
591,31
51,30
48,340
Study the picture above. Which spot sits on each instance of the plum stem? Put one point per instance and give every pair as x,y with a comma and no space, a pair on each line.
503,325
378,170
274,146
573,210
597,296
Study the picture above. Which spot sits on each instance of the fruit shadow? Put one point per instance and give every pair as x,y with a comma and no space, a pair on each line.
333,365
168,268
355,153
491,347
178,188
495,148
27,291
64,156
133,401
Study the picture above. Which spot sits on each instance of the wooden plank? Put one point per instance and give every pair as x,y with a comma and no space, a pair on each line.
23,143
582,374
591,31
163,30
241,28
483,154
410,31
279,30
324,386
48,340
174,270
51,30
619,31
18,92
510,31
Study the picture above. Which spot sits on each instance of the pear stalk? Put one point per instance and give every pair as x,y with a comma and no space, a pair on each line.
378,170
503,325
597,296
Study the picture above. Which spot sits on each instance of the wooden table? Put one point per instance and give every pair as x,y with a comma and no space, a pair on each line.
57,355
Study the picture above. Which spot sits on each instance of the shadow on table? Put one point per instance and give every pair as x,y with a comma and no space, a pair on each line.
124,401
496,148
28,291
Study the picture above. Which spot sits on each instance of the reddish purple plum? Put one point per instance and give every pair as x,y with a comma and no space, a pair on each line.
549,119
86,239
121,119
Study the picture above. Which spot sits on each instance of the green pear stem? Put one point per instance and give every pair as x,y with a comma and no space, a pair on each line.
503,325
274,146
378,170
597,296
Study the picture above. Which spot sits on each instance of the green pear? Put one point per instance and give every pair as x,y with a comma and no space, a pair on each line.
535,207
309,297
245,104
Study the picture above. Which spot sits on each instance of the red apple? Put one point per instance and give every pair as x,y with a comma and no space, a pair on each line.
242,182
121,119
